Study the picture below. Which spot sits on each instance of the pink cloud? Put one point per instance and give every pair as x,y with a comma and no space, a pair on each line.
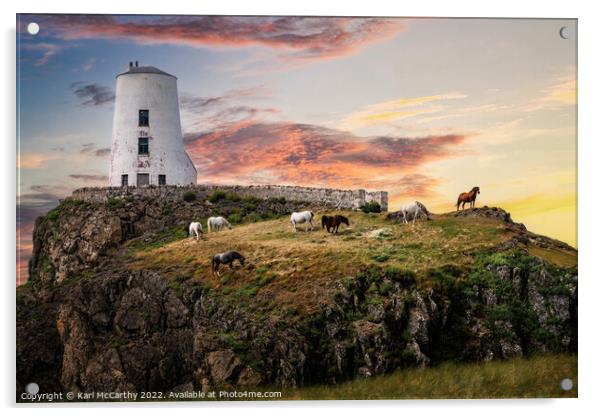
306,154
301,38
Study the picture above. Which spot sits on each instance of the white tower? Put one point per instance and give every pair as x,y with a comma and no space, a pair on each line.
147,144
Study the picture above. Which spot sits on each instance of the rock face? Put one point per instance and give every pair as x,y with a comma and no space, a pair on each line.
117,329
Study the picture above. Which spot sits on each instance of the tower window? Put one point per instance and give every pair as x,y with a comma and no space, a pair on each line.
143,179
143,145
124,180
143,118
162,180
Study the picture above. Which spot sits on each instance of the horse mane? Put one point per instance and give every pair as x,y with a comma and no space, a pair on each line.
342,218
422,207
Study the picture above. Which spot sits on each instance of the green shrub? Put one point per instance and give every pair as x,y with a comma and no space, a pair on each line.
217,195
385,288
53,214
371,206
116,203
231,196
247,291
260,271
406,277
277,200
252,200
253,217
266,280
445,277
232,343
235,218
381,258
189,196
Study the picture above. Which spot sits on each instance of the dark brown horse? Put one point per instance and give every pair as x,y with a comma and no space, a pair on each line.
333,223
469,197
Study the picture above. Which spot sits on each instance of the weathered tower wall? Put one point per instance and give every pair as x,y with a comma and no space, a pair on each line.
158,93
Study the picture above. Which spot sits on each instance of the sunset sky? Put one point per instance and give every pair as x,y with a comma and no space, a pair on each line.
422,108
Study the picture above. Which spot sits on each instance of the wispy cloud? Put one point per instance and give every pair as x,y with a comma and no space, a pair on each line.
33,160
89,178
89,64
92,94
393,110
298,38
47,50
92,149
220,111
562,93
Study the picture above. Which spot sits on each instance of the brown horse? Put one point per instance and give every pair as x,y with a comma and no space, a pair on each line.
333,223
469,197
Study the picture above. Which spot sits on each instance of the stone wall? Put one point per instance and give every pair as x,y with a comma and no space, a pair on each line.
340,198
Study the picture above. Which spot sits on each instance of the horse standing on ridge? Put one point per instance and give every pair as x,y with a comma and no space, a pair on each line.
302,217
217,223
333,223
469,197
414,208
195,228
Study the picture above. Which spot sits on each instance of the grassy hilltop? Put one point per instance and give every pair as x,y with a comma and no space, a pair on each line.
301,268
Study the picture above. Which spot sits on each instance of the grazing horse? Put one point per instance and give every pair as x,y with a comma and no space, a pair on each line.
414,208
301,217
469,197
226,258
195,228
333,223
217,223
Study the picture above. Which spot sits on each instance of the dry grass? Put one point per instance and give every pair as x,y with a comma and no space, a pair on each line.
556,256
301,267
518,378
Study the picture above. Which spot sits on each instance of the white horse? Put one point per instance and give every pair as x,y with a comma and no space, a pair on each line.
414,208
217,223
302,217
195,228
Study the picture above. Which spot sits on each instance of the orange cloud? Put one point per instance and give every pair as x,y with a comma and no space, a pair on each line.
306,154
33,160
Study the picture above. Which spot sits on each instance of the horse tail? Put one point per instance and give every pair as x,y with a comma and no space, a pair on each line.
323,221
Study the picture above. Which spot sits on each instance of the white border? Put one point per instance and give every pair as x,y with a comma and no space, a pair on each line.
589,186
